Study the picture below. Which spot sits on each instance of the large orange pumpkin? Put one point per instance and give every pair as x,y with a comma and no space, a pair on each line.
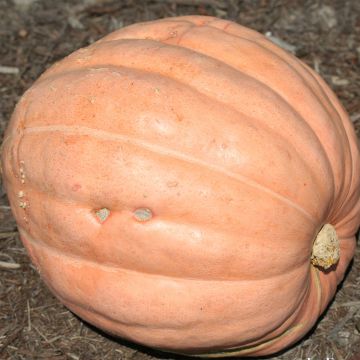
188,185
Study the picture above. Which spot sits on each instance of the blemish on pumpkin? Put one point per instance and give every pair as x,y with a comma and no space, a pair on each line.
172,184
173,34
102,214
179,118
143,214
21,126
23,204
21,194
91,99
84,55
326,248
70,140
227,199
76,187
22,172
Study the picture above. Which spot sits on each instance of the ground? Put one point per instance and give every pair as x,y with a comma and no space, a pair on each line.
34,34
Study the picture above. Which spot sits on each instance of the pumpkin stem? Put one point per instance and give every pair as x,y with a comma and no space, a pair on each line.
326,248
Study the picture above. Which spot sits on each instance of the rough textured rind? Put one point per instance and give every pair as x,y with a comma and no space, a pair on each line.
241,153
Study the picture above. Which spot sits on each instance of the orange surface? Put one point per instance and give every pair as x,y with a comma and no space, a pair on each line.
238,150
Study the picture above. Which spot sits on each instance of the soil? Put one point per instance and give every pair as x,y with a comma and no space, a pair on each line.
36,33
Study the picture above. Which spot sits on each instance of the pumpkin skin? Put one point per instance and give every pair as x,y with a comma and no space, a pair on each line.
235,153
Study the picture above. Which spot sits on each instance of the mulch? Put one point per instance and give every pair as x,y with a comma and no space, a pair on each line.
36,33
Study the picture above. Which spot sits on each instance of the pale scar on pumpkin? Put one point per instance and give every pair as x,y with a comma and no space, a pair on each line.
326,248
143,214
22,172
102,214
22,203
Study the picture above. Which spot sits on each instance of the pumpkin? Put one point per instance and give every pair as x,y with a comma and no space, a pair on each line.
188,185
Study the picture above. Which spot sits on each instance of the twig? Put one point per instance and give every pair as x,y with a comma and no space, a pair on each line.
11,338
43,336
73,356
355,117
55,338
42,307
336,351
216,3
28,315
349,303
103,9
283,44
333,333
9,265
4,235
85,338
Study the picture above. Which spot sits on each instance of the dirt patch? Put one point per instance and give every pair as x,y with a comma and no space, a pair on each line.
34,34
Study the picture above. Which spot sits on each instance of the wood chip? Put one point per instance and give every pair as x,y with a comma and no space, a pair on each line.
9,70
9,265
336,80
355,117
283,44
